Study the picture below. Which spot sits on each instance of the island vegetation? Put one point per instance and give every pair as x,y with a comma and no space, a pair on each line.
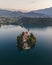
26,40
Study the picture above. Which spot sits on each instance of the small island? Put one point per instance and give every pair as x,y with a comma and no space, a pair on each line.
26,40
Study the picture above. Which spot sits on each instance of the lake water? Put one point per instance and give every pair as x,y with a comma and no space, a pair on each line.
41,54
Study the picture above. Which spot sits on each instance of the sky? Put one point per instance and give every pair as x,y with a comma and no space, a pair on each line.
25,5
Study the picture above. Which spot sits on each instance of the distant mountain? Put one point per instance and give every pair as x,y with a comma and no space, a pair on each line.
47,11
5,12
8,13
32,14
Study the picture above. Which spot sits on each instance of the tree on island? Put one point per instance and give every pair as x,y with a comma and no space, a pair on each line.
30,40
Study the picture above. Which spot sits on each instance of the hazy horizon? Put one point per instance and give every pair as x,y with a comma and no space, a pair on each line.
25,5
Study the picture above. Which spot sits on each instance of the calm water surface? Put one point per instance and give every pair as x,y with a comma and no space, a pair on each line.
41,54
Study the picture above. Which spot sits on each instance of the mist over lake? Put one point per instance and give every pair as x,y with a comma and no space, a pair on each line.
40,54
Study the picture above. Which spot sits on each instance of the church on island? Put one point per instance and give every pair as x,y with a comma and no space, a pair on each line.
25,36
26,40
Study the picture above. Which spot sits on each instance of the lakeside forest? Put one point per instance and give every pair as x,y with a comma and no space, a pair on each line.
26,21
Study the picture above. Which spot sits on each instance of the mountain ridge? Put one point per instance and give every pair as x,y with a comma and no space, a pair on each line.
46,11
9,13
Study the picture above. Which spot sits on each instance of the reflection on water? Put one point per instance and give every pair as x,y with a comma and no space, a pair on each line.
41,54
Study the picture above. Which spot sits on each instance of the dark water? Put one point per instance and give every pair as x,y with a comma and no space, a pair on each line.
41,54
